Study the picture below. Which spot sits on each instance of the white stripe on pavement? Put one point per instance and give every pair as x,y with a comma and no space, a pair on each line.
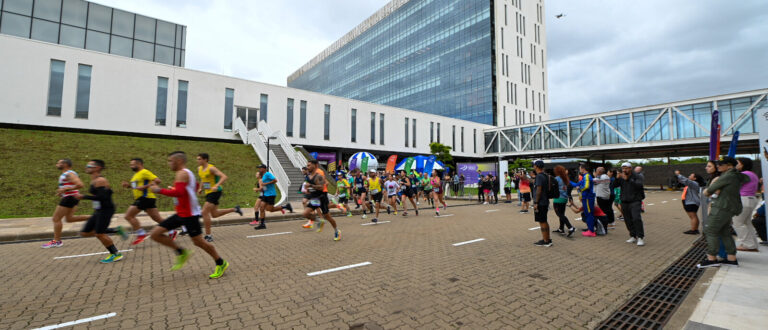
487,211
443,216
468,242
651,204
71,323
339,268
273,234
662,202
534,228
88,254
373,223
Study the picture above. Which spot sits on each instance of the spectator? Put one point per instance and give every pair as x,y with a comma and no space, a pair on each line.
586,188
485,185
541,203
726,204
603,194
746,235
455,184
691,198
516,181
758,221
525,192
632,195
616,193
461,184
508,187
559,203
496,188
480,195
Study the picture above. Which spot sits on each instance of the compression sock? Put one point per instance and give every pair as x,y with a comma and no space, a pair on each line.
112,249
219,261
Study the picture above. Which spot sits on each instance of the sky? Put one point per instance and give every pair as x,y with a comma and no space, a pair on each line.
602,55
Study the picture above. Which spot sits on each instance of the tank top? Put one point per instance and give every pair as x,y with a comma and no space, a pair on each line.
207,178
64,183
374,186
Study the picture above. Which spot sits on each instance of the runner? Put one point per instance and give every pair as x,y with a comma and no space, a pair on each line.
373,185
508,186
268,195
525,192
437,192
187,214
305,193
103,210
143,199
211,179
362,191
318,199
586,188
426,188
69,183
392,188
343,190
407,188
257,203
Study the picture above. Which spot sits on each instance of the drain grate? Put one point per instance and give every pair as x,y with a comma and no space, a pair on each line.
652,307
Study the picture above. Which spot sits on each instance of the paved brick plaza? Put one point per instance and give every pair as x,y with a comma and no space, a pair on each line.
417,278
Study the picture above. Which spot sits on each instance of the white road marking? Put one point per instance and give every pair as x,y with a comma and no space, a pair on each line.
339,268
534,228
662,202
468,242
373,223
71,323
674,199
488,211
444,215
577,219
273,234
650,204
89,254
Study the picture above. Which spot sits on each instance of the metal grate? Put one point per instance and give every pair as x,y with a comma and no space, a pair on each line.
652,307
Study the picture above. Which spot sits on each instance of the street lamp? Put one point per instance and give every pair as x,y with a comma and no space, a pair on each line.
266,141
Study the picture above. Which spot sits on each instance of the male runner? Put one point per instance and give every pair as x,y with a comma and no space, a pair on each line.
187,214
144,200
407,187
392,188
268,195
211,179
69,183
343,190
103,210
361,184
318,198
373,185
257,204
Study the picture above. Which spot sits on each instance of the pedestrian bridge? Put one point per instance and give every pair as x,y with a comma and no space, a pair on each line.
671,129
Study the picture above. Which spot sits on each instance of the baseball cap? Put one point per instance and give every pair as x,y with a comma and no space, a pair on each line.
372,170
626,164
262,166
538,163
727,160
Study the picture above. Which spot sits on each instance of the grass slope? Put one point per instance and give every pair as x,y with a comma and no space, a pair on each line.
28,176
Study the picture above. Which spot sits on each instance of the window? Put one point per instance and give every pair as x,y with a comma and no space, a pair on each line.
474,140
327,122
121,46
406,132
19,6
289,118
462,139
381,128
162,101
502,38
15,25
99,17
55,88
122,23
229,99
97,41
431,131
70,36
253,119
166,33
145,28
373,128
74,12
143,50
413,124
438,132
241,114
353,128
83,91
264,99
453,138
48,9
181,105
164,54
45,31
303,119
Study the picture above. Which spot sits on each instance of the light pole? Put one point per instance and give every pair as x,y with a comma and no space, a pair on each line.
266,141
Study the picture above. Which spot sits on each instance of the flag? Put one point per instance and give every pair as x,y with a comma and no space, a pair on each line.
732,147
352,164
714,136
331,167
364,165
391,162
408,165
430,165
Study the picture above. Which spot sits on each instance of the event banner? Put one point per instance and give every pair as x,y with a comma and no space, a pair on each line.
391,162
469,171
762,129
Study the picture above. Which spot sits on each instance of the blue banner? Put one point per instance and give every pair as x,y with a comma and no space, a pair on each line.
430,165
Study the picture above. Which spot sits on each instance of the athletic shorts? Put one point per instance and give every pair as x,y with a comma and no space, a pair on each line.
486,191
377,197
144,203
69,202
507,190
99,221
541,215
270,200
526,197
321,202
359,191
213,197
408,193
690,207
192,223
343,200
437,190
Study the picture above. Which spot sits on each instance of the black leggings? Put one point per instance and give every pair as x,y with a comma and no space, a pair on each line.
560,211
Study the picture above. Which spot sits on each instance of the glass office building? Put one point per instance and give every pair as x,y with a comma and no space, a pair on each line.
82,24
434,56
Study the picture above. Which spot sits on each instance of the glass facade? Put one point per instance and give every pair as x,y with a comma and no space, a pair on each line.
55,88
83,24
181,105
83,100
429,56
161,105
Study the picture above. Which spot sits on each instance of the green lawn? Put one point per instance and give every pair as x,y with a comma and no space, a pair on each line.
28,176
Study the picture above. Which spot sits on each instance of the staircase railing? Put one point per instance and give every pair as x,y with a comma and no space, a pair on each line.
297,160
253,138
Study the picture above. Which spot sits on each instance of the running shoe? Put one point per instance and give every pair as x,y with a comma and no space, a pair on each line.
173,234
289,207
320,225
139,239
282,211
219,270
632,240
691,232
364,216
307,225
208,238
588,233
405,213
123,234
337,235
349,214
238,210
559,231
254,223
261,226
395,212
727,262
417,212
112,258
181,259
543,243
570,231
437,213
706,263
375,220
52,244
388,210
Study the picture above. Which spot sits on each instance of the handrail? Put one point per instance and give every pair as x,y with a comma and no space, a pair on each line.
297,160
241,130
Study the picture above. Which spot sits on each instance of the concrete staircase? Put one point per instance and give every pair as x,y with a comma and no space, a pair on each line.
294,174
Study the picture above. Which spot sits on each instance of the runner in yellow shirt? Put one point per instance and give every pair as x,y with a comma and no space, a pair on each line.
143,199
211,179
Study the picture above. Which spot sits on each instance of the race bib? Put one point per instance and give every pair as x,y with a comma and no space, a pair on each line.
96,205
134,184
206,185
360,185
314,202
342,195
374,191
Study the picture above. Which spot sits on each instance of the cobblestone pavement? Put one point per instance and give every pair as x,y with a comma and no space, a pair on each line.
417,277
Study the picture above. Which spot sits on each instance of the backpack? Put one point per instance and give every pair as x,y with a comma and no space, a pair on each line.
553,189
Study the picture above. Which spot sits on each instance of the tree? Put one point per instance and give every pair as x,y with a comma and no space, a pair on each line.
442,153
520,163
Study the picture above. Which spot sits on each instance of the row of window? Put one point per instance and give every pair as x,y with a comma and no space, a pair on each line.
56,89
